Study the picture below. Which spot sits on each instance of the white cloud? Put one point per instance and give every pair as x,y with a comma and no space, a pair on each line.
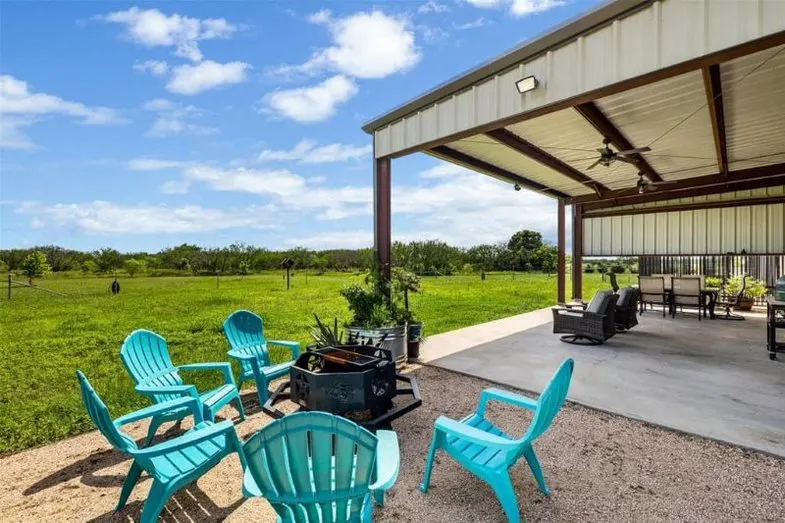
478,22
20,108
443,170
100,217
519,8
175,118
311,104
154,164
152,28
432,6
433,34
155,67
356,239
307,151
365,45
193,79
175,187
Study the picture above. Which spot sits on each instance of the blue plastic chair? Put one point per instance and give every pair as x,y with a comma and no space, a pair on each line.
245,332
145,355
172,464
489,453
316,467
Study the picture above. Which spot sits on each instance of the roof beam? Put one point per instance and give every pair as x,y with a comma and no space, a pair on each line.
721,204
713,85
528,149
493,170
605,127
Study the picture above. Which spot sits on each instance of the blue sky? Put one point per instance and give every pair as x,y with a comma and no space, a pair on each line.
140,126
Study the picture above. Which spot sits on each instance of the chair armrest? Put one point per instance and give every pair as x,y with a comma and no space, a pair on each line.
241,356
291,345
182,390
190,403
465,432
224,366
579,305
388,460
505,397
188,439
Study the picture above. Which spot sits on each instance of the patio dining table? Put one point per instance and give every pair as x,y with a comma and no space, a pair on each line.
708,296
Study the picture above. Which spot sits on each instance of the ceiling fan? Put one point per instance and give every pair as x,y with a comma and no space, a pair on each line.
608,155
644,185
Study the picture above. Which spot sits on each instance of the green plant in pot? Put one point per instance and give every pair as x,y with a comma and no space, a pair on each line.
405,282
754,289
376,313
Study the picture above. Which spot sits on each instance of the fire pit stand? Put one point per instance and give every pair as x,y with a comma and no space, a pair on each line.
357,382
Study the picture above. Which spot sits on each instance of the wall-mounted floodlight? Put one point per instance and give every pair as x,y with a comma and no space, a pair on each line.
527,84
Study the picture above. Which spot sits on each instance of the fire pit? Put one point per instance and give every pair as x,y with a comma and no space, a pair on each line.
358,382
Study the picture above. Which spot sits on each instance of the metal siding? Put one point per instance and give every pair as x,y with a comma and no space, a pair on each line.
607,235
588,237
776,215
699,232
465,108
661,233
429,124
650,233
638,234
562,77
713,231
398,135
743,229
627,228
617,235
445,114
674,232
687,233
596,236
760,229
486,102
381,142
728,230
510,100
682,31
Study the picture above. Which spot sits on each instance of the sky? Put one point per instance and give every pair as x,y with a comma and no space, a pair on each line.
142,126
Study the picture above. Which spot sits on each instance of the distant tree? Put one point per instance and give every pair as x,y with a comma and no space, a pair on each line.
108,259
89,267
183,264
523,245
35,266
545,259
3,267
482,257
134,267
319,263
244,267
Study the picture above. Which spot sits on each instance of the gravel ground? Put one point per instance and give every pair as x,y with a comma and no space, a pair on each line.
600,467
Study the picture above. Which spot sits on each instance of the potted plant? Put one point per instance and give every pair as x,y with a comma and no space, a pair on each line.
405,282
754,289
376,313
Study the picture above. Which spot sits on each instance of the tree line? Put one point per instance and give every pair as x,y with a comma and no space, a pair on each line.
524,251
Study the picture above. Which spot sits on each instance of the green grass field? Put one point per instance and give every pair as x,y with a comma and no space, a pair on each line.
45,338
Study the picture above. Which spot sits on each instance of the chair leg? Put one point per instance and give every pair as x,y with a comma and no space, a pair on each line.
426,480
262,391
240,408
128,486
534,465
154,424
378,497
502,486
156,501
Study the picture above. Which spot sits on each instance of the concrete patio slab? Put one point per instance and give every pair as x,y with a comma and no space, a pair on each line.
709,378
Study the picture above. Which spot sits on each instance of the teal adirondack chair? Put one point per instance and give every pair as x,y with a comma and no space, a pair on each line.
172,464
488,452
145,355
316,467
245,332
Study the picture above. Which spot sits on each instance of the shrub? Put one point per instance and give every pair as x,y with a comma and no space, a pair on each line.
588,269
618,269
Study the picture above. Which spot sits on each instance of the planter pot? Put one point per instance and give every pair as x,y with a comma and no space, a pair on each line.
413,349
745,304
395,341
415,331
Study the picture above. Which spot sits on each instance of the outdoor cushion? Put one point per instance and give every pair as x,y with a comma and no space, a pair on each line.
596,303
625,295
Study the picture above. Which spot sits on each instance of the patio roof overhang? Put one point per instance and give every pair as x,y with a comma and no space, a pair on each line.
701,83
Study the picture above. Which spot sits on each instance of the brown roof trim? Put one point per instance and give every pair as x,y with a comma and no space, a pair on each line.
722,204
713,84
528,149
557,36
493,170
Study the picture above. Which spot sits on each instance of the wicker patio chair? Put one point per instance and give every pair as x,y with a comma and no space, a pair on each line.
592,326
686,292
652,291
626,313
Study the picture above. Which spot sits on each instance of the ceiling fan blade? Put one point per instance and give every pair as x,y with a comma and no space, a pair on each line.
635,151
601,151
595,164
626,160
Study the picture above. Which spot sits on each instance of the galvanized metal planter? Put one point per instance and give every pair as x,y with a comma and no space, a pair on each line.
392,339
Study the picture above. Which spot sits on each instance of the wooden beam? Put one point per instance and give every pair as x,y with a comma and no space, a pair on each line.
718,57
493,170
605,127
577,252
743,185
713,84
721,204
526,148
674,189
561,273
382,214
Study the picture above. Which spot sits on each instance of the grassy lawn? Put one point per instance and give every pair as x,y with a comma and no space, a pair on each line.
45,338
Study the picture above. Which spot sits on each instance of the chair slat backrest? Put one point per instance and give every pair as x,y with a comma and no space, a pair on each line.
145,355
100,416
313,466
245,332
551,400
651,285
686,286
666,278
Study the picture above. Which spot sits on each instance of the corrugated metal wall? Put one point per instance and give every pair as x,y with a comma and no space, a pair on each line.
758,229
667,32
